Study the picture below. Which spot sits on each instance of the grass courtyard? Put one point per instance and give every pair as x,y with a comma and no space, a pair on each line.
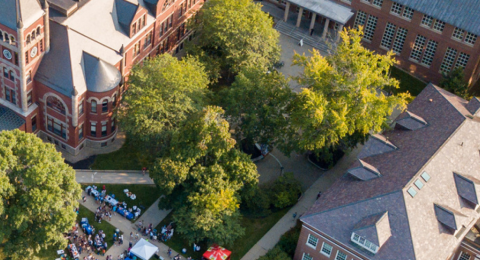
407,82
255,229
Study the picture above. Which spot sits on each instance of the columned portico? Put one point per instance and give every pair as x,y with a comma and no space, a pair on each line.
329,11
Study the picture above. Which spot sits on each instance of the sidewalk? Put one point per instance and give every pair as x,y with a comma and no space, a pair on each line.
112,177
152,215
271,238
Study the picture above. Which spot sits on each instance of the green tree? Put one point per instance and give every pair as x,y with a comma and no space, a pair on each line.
38,195
203,177
455,83
238,33
162,93
285,191
256,105
342,95
275,254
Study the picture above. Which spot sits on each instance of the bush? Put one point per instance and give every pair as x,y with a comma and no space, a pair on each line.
285,191
288,241
259,204
275,254
455,83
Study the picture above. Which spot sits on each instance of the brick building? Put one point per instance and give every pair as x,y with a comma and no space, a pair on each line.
413,192
64,62
428,36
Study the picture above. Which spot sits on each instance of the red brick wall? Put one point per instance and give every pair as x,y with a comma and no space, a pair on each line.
315,252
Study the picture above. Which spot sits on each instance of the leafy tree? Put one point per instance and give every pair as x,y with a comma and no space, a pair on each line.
238,33
256,105
455,82
275,254
342,95
203,178
38,195
285,191
162,93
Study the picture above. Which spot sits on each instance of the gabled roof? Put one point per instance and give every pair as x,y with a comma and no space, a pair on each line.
376,144
99,75
447,216
410,121
9,120
448,143
473,105
29,12
364,171
461,13
152,6
466,187
125,13
375,228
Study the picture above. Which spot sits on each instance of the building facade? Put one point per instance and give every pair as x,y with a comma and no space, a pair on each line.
413,192
428,37
64,63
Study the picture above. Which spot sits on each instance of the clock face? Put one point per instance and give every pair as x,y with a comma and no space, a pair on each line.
33,52
7,54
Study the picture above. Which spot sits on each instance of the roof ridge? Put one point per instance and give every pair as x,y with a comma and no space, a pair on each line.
440,92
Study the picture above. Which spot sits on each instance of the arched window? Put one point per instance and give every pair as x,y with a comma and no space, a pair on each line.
55,104
12,40
38,30
105,106
94,106
114,100
1,36
28,39
33,35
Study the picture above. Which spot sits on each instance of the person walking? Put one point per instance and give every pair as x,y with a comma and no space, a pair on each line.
294,216
144,170
169,252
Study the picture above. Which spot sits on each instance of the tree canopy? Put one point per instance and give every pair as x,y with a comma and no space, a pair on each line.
256,105
342,94
162,93
238,33
38,195
455,82
203,177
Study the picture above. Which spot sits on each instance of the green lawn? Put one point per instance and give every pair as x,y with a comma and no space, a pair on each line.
146,194
105,226
255,229
129,157
407,82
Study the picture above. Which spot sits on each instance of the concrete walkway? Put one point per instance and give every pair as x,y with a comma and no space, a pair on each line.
151,215
116,177
271,238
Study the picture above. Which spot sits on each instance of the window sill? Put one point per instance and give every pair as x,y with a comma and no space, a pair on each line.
325,254
405,18
314,247
397,15
384,48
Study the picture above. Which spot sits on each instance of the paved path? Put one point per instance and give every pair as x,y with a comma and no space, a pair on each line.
152,215
117,177
270,239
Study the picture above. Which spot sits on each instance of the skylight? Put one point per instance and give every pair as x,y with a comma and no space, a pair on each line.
419,184
425,176
412,192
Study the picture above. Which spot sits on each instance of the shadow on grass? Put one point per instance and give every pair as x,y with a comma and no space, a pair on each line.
407,82
129,157
255,229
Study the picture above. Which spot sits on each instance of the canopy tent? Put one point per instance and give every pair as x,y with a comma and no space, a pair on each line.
216,252
143,249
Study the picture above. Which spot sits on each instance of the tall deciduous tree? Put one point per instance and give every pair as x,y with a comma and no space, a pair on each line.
38,195
342,94
239,33
162,93
256,105
203,177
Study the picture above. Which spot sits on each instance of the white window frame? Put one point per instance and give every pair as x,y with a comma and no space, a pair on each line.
308,241
458,32
448,60
417,50
399,41
324,253
388,35
461,255
462,58
377,3
336,256
308,255
427,21
429,53
471,36
396,9
438,26
370,27
360,19
408,13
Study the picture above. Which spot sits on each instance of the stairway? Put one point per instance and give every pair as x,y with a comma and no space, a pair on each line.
296,33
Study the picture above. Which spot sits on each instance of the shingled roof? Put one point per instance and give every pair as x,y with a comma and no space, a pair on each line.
461,13
9,120
28,11
447,144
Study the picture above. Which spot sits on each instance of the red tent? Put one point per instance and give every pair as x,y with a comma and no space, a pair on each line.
216,252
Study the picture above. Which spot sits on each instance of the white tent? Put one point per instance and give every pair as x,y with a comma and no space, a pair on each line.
143,249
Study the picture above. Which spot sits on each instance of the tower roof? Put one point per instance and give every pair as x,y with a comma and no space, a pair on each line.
28,12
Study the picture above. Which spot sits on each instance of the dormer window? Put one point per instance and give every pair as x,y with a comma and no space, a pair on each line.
364,243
